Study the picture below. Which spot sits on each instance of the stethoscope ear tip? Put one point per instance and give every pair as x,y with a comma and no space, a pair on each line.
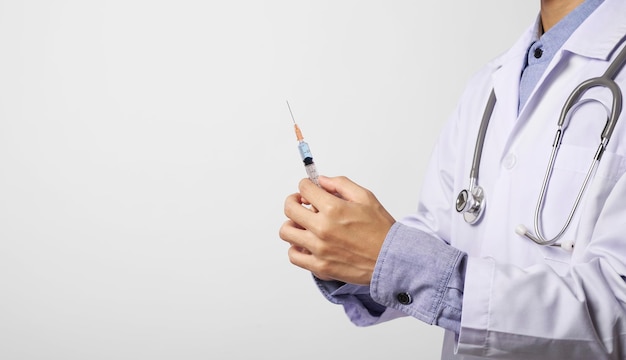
521,230
567,245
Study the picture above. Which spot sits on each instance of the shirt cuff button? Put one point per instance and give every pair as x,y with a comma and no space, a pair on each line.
404,298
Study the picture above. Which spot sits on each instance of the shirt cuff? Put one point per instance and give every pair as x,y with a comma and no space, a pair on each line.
360,308
420,275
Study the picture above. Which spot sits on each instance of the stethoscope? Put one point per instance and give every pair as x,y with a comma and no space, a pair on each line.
471,202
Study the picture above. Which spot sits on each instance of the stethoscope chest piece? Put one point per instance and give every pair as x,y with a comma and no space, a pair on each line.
471,203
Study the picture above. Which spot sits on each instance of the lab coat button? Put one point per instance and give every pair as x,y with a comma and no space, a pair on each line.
509,161
404,298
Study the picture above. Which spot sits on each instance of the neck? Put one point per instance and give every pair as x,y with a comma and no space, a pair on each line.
552,11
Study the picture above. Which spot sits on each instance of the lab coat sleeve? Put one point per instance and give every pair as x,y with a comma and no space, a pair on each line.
538,313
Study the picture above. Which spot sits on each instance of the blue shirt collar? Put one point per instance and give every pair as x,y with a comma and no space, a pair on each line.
552,40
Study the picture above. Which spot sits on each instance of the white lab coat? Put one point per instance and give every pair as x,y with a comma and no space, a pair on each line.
522,300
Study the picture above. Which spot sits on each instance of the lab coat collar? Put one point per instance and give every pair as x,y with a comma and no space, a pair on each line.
507,70
518,49
602,23
608,32
607,37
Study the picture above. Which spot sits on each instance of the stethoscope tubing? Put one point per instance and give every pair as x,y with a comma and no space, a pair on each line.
605,81
480,140
476,207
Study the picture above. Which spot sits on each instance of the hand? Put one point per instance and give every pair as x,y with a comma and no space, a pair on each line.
339,236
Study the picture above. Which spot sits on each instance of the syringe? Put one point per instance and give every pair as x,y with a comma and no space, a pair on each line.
305,152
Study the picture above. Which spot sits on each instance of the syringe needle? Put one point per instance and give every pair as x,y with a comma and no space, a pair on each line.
305,152
295,126
292,118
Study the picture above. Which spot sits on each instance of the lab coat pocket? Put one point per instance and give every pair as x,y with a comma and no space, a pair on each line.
570,169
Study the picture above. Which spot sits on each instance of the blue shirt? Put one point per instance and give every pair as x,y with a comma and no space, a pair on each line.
543,49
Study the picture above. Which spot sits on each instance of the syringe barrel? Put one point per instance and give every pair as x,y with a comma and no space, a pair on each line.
311,172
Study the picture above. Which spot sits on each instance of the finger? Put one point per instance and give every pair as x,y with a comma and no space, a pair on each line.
302,250
295,210
300,209
300,258
308,205
297,236
308,262
316,196
344,188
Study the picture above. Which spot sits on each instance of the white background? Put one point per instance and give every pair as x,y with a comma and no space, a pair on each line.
146,150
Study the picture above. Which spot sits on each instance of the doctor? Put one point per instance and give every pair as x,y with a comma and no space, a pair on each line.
497,293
